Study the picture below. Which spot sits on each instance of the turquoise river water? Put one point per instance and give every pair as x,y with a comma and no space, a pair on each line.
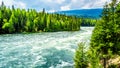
41,50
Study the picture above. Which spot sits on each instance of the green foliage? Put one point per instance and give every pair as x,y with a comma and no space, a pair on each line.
8,27
105,40
81,60
20,20
93,58
88,22
106,35
32,21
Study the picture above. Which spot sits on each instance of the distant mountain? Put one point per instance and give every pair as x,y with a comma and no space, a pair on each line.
89,13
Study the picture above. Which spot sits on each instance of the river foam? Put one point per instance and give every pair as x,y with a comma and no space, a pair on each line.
41,50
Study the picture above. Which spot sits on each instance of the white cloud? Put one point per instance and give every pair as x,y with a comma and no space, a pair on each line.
53,1
87,4
46,1
20,4
17,4
51,11
59,5
7,2
60,1
56,5
74,1
67,7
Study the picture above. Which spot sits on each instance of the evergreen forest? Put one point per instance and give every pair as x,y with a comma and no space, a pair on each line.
16,20
104,50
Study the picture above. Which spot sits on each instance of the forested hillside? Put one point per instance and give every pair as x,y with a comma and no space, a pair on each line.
86,13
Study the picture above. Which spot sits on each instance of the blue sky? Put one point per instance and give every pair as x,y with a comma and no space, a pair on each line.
56,5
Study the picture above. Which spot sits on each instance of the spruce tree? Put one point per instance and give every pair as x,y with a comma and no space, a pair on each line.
105,38
81,57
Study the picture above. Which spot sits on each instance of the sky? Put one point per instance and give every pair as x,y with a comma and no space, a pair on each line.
55,5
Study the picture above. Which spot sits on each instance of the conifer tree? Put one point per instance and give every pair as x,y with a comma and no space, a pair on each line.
80,59
33,21
105,37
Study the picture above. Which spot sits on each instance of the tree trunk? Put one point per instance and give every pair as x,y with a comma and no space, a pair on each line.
104,62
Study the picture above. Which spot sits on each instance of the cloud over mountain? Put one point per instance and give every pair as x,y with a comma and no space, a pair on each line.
56,5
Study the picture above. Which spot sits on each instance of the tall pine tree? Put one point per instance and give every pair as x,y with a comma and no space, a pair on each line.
105,38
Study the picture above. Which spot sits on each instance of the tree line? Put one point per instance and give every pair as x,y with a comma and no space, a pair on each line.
105,41
88,21
16,20
19,20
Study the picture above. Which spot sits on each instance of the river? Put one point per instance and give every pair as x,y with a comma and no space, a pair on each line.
41,50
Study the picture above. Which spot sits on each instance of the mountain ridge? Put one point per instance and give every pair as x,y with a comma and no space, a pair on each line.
90,13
